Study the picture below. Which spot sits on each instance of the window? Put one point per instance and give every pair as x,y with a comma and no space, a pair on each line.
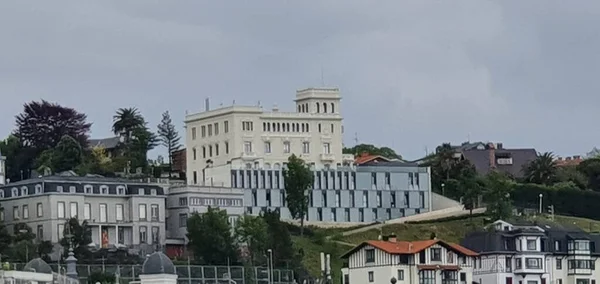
326,148
102,212
532,282
182,220
400,275
436,254
533,263
216,149
40,211
61,231
305,147
531,244
143,234
61,210
183,201
88,189
2,214
155,235
226,126
203,130
210,151
216,128
154,212
72,189
121,190
518,263
194,154
337,199
558,263
25,211
286,147
427,277
247,126
370,255
267,147
73,208
226,147
119,213
104,189
193,133
87,211
247,147
141,191
40,232
582,281
142,212
371,277
210,130
38,189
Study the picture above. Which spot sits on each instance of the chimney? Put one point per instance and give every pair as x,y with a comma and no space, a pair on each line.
568,158
392,238
207,104
577,157
275,108
560,158
492,155
500,146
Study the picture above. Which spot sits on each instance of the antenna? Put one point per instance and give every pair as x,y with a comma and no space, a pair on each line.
356,138
469,137
322,77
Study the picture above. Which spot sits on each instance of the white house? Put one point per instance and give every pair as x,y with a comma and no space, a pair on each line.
534,253
419,262
236,137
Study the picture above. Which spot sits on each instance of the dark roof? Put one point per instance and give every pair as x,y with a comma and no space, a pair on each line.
38,265
158,263
106,143
481,160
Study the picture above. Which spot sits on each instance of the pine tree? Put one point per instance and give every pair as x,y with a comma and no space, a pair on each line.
168,137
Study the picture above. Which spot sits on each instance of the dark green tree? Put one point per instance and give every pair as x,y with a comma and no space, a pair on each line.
498,189
570,174
19,159
298,179
125,121
78,236
591,169
542,170
41,125
168,137
252,231
67,155
280,240
372,150
138,139
210,237
23,246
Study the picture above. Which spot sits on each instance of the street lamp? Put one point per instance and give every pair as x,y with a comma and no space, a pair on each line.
24,231
443,191
541,197
270,265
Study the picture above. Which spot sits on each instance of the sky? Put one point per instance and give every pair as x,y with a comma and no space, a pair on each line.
412,74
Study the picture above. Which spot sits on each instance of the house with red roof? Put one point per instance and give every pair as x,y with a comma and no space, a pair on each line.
415,262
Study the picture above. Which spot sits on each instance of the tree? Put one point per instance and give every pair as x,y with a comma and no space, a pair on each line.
497,195
570,174
95,161
542,170
210,237
279,239
23,248
298,178
591,169
253,232
19,159
471,192
372,150
125,121
168,137
67,155
41,125
78,236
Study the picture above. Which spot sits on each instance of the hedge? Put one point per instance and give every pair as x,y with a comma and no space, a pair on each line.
566,200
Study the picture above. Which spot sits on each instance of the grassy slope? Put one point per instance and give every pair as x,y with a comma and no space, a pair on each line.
452,231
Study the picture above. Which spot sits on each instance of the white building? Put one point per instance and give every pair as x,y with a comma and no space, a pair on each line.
534,253
418,262
2,169
236,136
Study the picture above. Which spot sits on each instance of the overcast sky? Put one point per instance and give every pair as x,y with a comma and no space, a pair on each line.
413,74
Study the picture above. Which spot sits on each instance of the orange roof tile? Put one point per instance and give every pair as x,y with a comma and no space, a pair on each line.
365,158
404,247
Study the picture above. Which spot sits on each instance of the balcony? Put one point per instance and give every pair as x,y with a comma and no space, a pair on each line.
328,157
249,156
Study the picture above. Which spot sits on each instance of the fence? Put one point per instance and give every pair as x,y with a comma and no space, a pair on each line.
192,274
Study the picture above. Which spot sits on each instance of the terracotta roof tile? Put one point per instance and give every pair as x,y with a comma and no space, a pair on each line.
404,247
365,158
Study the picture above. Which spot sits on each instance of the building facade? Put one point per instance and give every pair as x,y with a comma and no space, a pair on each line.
534,253
183,201
371,192
120,213
251,137
419,262
2,169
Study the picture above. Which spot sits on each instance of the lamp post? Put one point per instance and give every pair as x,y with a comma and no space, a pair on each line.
541,197
270,265
24,231
443,187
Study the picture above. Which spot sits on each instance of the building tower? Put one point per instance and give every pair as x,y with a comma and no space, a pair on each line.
318,100
2,169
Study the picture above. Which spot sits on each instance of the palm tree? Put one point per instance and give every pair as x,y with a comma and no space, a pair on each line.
542,170
126,120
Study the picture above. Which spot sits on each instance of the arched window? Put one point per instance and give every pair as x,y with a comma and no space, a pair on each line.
318,108
276,166
307,128
299,108
38,189
332,108
267,166
248,166
274,127
264,126
288,127
325,107
15,192
297,127
103,189
302,127
24,191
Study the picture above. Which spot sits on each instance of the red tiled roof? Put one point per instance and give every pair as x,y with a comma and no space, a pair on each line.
365,158
568,161
404,247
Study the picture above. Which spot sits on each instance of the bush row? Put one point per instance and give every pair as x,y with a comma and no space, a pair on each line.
566,200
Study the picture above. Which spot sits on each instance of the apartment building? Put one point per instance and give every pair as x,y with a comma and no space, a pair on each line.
120,213
183,201
418,262
367,193
235,137
534,253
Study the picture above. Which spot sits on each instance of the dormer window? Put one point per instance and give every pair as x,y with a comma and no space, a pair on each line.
72,189
141,191
59,189
121,190
436,254
24,191
38,189
15,192
153,192
531,245
1,193
88,189
369,255
104,189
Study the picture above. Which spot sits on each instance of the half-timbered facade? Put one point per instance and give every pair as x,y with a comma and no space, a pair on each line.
419,262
